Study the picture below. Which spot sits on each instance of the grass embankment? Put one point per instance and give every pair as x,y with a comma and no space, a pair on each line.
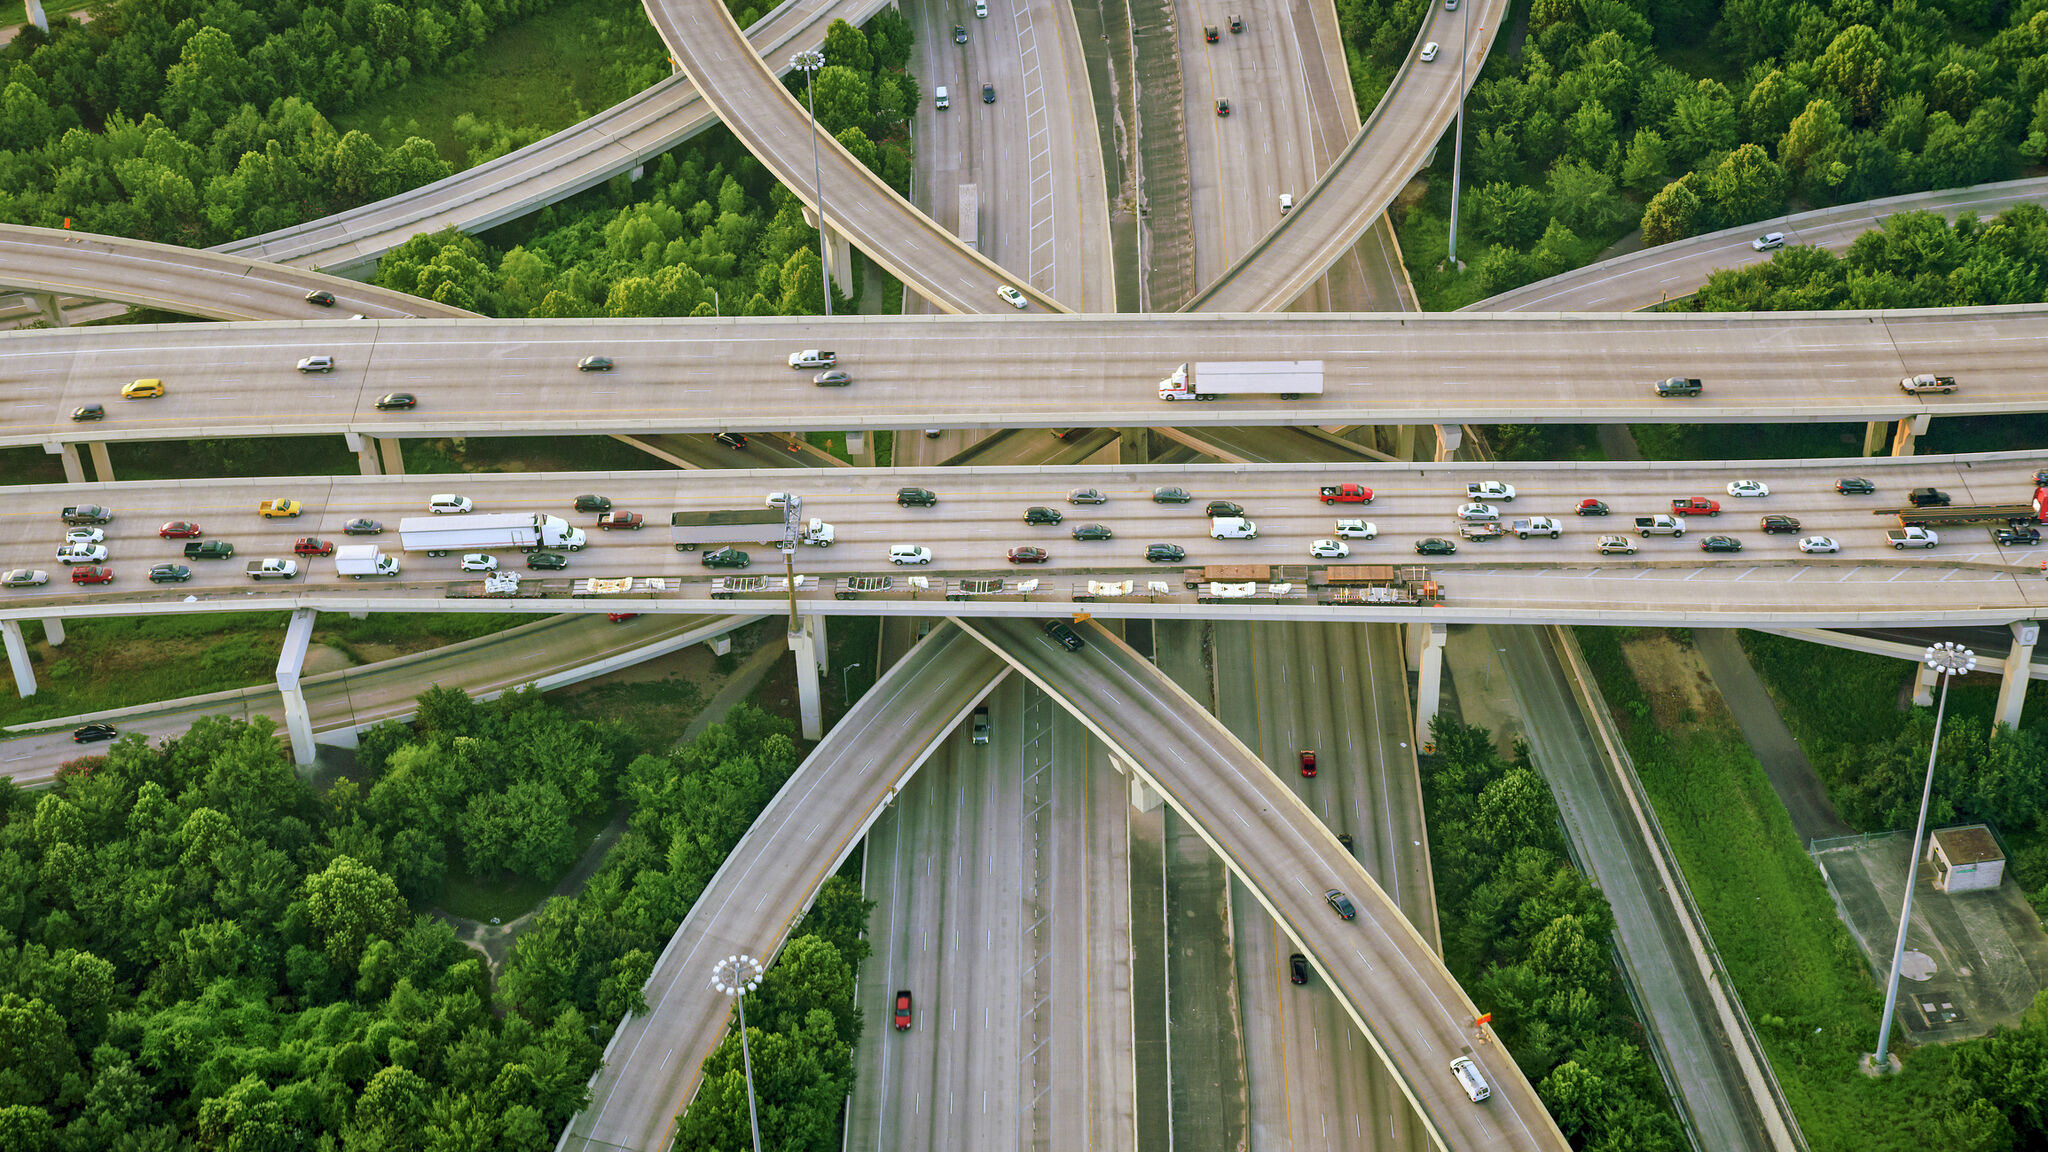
1800,976
123,661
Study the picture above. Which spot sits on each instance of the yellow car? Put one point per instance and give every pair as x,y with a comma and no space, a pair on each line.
142,390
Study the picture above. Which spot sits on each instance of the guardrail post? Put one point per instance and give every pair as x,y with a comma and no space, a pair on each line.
298,722
2019,660
17,658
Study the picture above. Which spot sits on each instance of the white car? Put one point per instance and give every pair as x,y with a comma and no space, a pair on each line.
479,562
909,554
446,502
1818,544
1490,490
1429,52
1748,488
84,536
81,554
1012,297
24,578
1329,549
1768,241
317,364
1478,512
1357,529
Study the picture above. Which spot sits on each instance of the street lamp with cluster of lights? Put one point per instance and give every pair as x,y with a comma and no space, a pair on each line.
736,976
808,62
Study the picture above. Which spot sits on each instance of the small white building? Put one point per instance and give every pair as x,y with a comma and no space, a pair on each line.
1965,859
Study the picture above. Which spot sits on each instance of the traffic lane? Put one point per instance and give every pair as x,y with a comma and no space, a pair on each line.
1384,971
480,377
652,1063
1641,279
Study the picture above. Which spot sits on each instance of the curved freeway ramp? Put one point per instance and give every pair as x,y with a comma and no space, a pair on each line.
1385,974
1328,220
776,128
193,283
653,1063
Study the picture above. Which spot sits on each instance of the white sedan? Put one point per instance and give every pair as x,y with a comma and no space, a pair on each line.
1357,529
1329,549
1748,488
479,562
84,536
1011,296
24,578
1819,544
1429,52
1478,512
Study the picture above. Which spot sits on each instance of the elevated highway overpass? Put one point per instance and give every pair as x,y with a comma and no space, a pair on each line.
484,377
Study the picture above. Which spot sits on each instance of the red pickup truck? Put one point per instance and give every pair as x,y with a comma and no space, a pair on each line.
1695,506
612,520
1346,494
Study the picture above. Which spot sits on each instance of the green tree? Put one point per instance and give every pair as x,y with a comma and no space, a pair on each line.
349,905
847,46
844,99
1646,167
1511,215
1857,68
1701,123
1747,185
1812,148
1583,197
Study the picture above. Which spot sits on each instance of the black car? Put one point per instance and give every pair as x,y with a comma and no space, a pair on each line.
322,298
1773,524
1170,496
1297,969
169,574
1341,903
916,498
1344,838
1224,508
593,504
988,93
1092,532
1165,553
1236,23
1854,486
87,733
2018,534
394,400
1067,637
959,34
89,412
2041,478
1086,496
550,561
1223,107
1720,544
1927,498
594,364
362,526
1040,514
1435,546
733,440
727,558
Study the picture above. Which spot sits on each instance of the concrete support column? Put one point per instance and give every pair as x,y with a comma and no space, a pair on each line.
53,630
102,464
298,722
719,644
1449,438
1909,429
394,459
2019,659
856,443
1923,686
47,303
815,625
1413,636
17,658
35,14
1874,433
1143,798
1429,682
1134,445
365,448
809,704
74,472
841,254
1404,443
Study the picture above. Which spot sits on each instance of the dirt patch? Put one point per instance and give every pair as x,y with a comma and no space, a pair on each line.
1411,194
1673,677
326,658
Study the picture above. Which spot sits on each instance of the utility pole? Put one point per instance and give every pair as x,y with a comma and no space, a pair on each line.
808,62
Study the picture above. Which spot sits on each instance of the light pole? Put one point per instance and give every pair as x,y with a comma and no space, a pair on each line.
736,976
845,696
1458,141
808,62
1948,661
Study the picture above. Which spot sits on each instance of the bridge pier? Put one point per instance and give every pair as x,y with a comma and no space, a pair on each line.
1426,660
298,722
1143,797
17,658
2012,683
1404,442
840,255
1134,445
365,448
53,630
1874,433
394,458
1923,686
102,464
46,302
806,646
1910,429
1449,438
74,471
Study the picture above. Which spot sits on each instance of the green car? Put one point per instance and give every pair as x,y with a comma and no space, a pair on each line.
1435,546
209,550
727,558
916,498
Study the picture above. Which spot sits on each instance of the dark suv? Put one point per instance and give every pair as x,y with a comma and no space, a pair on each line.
1039,514
1225,508
1772,524
1068,638
1927,498
1854,486
917,498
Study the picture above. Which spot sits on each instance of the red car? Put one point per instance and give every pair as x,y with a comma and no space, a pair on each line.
1308,762
1027,555
621,617
312,546
92,574
628,520
1695,506
178,530
903,1011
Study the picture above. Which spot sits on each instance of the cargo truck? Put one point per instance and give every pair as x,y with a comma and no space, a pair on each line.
526,531
1211,379
359,560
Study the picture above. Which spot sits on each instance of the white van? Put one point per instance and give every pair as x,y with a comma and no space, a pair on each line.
1470,1079
445,502
941,98
981,9
1232,528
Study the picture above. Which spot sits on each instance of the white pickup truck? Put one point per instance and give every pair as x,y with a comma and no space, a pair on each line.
1490,490
813,358
1537,526
1662,524
1913,537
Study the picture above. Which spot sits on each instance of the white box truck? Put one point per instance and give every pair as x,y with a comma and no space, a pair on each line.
359,560
1209,380
526,531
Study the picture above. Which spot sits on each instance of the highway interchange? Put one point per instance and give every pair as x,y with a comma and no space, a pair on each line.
1297,1029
